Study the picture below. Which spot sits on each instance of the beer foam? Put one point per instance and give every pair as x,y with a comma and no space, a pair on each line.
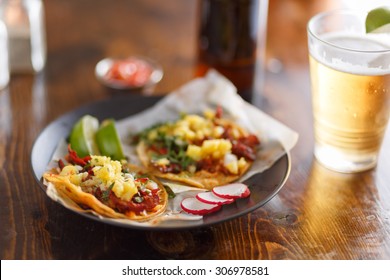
361,54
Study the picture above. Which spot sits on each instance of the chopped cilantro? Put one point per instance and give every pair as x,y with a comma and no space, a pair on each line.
171,194
167,146
138,199
106,193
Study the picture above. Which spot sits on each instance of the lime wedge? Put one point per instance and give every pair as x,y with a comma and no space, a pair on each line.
108,140
82,136
378,20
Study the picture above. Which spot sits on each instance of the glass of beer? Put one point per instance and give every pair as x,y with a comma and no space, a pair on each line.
350,80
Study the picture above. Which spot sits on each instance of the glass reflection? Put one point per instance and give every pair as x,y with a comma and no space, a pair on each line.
340,211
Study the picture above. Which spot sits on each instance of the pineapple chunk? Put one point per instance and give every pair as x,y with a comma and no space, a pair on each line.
100,160
76,179
69,170
125,190
183,130
152,135
231,163
218,131
195,122
232,167
104,173
194,152
162,161
209,114
216,148
242,163
106,169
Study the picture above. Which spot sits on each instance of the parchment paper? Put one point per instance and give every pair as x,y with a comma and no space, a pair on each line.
194,98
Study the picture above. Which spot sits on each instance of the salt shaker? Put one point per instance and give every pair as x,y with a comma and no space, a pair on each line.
24,20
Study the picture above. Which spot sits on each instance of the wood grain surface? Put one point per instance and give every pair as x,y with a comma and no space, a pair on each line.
319,214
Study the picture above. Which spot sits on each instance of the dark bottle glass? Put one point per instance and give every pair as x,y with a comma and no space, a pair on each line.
228,40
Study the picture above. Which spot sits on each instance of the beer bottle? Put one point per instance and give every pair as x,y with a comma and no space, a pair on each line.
228,40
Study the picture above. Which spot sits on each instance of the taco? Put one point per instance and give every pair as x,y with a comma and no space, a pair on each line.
111,188
201,151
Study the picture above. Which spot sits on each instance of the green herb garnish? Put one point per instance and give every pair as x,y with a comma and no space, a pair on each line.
170,192
138,199
106,193
175,150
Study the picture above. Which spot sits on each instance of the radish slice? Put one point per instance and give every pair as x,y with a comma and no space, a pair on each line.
235,190
211,198
194,206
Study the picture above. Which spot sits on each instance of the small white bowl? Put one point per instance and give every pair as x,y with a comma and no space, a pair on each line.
104,66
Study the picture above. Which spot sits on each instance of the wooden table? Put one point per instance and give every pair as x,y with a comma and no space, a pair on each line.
319,214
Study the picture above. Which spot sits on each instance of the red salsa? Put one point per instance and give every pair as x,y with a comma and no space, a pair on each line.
131,71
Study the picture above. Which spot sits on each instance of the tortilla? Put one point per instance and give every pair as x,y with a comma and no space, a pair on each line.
66,188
